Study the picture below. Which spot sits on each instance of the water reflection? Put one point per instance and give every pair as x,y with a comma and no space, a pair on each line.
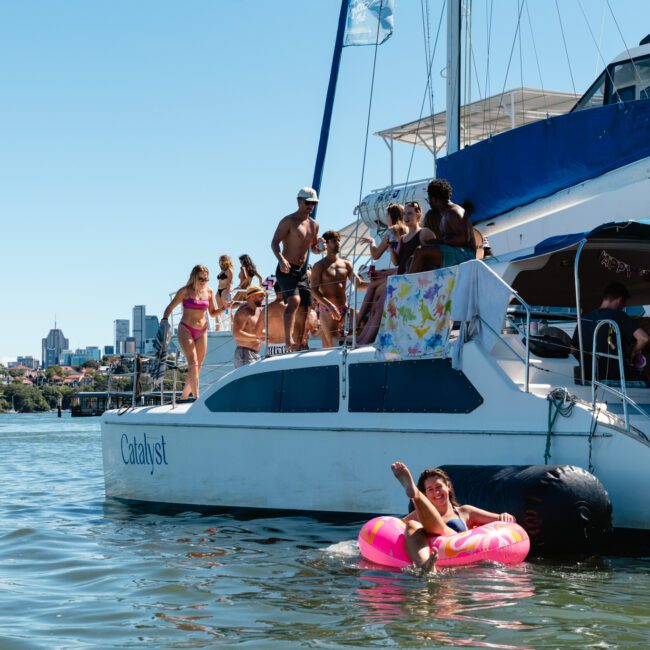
463,595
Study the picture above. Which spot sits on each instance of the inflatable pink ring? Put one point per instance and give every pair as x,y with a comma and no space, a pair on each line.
381,540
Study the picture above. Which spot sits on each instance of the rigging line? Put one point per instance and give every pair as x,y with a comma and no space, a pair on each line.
627,49
566,50
539,70
424,98
365,147
512,49
600,37
607,72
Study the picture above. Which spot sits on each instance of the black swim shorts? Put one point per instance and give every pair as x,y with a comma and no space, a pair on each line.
295,283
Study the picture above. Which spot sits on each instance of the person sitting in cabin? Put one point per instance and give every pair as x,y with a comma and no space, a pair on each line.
275,333
248,328
436,513
328,283
454,234
633,338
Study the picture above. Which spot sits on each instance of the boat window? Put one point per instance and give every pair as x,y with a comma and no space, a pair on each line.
299,390
417,386
630,80
594,97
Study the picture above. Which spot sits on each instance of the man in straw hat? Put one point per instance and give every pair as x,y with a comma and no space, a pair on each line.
248,327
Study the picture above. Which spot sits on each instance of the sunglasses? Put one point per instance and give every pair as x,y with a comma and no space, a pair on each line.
203,279
413,204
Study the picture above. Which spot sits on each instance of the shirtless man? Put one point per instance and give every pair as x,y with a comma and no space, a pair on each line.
275,324
248,328
453,229
297,233
328,282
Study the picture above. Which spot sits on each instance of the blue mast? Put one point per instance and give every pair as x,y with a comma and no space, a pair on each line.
329,100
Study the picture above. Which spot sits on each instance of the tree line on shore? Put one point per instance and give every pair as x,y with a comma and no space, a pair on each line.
42,395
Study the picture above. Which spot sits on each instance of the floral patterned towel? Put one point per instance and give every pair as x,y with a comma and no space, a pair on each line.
416,317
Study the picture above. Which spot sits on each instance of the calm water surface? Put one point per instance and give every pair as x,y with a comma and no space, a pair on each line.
77,571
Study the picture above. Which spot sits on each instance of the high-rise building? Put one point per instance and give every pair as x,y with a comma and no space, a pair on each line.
151,325
52,346
28,362
109,350
121,327
130,345
93,353
139,315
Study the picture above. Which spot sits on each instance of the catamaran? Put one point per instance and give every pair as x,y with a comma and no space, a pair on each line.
316,431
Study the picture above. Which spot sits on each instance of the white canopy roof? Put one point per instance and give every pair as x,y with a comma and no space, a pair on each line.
485,117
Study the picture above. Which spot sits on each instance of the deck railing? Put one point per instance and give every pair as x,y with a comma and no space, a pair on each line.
596,383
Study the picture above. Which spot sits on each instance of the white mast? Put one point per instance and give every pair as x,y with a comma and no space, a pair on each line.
453,75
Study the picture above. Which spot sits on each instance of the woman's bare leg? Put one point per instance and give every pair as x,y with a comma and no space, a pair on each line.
189,350
201,347
369,332
417,547
426,258
429,517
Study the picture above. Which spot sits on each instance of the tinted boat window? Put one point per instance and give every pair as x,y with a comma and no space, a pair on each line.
422,386
300,390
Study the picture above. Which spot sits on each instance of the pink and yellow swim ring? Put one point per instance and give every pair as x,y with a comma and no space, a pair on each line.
381,541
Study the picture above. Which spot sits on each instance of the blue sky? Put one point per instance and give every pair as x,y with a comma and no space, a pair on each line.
140,138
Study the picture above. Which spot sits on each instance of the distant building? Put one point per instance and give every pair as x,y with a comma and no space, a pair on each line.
151,325
139,317
28,362
93,353
121,329
109,350
130,345
52,347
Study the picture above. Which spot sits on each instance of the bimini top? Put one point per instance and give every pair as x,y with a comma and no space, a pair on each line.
613,252
614,230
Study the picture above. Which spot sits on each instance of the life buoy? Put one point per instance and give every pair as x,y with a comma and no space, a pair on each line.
381,540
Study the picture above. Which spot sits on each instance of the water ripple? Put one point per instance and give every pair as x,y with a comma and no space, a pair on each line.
79,572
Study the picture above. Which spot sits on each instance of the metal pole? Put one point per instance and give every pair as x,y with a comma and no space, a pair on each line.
135,380
329,100
576,280
453,75
266,321
354,316
527,378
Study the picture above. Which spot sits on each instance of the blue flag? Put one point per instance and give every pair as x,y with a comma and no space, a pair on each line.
369,22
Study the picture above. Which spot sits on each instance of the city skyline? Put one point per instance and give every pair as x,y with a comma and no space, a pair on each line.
56,340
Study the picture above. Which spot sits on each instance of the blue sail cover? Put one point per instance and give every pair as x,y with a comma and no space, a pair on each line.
533,161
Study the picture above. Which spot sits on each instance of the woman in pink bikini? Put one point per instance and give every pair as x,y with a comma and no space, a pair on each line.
197,298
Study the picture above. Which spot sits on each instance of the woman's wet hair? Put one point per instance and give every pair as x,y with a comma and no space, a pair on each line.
225,262
395,213
248,265
193,282
441,474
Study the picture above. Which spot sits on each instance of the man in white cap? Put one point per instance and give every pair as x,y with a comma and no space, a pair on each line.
248,328
297,233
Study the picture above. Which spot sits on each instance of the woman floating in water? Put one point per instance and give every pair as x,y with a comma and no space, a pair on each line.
197,298
436,513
